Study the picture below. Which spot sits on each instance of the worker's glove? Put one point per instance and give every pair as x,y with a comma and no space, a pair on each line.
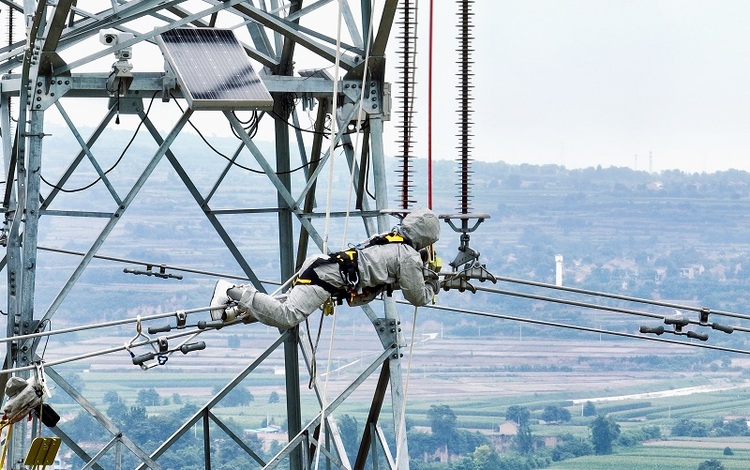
424,253
431,279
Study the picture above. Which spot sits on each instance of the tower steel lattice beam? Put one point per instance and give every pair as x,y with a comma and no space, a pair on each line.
66,69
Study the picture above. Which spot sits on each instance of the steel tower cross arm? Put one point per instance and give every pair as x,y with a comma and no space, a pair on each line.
50,60
384,31
291,32
12,5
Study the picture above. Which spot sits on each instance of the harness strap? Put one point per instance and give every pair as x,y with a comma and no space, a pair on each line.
309,276
348,267
347,261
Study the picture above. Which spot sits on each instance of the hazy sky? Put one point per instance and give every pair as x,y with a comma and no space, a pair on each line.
589,82
584,82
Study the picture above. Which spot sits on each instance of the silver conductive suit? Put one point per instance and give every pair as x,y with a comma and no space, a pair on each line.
383,263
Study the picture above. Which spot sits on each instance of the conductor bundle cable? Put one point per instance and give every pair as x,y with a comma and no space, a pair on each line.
675,321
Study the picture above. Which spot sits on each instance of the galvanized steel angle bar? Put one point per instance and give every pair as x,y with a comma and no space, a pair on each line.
317,87
293,443
358,180
217,398
99,417
116,217
345,47
262,53
316,442
73,445
300,141
384,444
87,150
224,172
203,204
93,85
28,76
373,415
7,144
380,42
12,5
262,43
91,463
147,35
56,189
282,190
90,23
294,32
330,424
56,24
31,219
16,46
132,10
306,10
235,438
338,444
351,25
279,43
312,179
377,160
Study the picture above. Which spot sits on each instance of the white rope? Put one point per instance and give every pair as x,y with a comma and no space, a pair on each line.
332,147
357,149
402,424
358,140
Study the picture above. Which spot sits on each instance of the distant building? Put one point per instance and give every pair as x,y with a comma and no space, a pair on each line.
689,272
270,429
503,440
508,428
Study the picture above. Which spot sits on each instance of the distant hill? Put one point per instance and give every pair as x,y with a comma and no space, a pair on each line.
670,235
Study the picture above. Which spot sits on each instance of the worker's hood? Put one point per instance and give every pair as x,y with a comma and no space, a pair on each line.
421,227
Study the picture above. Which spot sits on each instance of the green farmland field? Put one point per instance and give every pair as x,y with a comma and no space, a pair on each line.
658,458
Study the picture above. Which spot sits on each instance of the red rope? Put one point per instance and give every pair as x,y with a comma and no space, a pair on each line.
429,116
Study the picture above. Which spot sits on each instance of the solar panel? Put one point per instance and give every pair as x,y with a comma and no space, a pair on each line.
213,70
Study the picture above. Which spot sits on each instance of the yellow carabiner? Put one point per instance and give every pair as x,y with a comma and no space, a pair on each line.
329,308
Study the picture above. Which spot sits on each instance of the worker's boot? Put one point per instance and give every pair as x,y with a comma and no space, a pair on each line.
241,298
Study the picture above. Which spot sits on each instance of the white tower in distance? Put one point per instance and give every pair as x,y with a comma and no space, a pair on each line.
558,269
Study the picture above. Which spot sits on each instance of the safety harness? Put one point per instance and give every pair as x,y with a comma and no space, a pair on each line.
347,261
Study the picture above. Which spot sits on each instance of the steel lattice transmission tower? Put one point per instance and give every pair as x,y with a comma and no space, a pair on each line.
62,67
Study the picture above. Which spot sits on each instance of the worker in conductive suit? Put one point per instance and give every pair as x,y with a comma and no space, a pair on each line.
387,262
